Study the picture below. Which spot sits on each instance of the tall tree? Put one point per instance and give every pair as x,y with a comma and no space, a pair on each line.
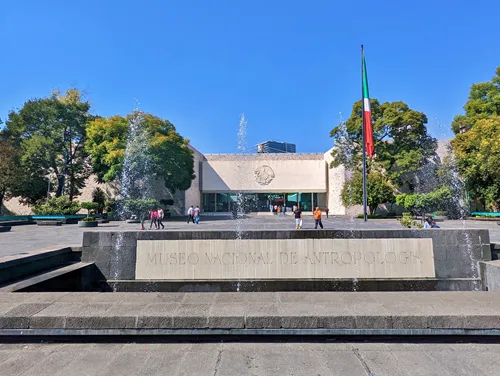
15,179
483,102
171,158
478,156
477,140
402,145
50,132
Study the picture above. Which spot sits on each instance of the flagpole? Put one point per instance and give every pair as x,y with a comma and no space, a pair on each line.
365,199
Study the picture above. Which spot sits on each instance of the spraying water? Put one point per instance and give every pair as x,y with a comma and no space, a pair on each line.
136,177
240,197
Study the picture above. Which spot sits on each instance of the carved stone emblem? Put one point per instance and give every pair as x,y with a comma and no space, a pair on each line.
264,175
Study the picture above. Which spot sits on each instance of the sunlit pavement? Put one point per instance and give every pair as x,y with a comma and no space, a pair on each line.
23,239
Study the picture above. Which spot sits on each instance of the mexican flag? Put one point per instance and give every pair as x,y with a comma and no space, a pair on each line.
367,114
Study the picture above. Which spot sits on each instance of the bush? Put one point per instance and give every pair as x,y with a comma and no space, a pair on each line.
371,216
419,203
88,219
89,206
441,213
408,221
57,206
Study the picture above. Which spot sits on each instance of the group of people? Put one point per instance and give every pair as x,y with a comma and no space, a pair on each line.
317,217
430,223
278,209
156,216
193,214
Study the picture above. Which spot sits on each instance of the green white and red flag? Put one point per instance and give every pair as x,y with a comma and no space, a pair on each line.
367,114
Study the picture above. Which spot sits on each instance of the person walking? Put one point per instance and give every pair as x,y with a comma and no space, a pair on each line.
190,214
298,218
196,214
279,210
317,218
153,215
326,211
161,215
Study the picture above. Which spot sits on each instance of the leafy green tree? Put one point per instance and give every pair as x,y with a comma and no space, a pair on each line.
483,102
402,145
379,191
478,156
476,142
171,158
15,179
50,133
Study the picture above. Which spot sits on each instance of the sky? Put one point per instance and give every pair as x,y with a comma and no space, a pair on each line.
292,67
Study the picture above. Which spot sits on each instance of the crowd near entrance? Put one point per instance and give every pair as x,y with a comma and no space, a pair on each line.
262,202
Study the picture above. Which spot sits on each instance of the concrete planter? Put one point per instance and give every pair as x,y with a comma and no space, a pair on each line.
87,224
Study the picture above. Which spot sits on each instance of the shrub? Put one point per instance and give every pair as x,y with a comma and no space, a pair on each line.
89,206
441,213
408,221
88,219
371,216
57,206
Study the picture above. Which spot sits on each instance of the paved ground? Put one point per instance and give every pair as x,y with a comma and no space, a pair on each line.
23,239
230,359
384,312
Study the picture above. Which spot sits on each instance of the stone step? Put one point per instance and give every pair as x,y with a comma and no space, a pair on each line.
284,313
43,277
13,268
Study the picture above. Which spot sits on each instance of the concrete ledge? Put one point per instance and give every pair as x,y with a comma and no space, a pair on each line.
42,277
380,313
18,266
5,228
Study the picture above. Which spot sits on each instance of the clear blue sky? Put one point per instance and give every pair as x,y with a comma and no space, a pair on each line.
292,66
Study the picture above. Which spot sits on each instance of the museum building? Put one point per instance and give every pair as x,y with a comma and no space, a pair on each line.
261,180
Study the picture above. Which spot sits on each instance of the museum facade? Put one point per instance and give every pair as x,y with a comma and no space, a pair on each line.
262,180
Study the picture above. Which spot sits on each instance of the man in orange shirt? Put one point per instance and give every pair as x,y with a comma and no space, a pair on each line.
317,218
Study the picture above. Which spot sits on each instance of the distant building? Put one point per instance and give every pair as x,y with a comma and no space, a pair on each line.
275,147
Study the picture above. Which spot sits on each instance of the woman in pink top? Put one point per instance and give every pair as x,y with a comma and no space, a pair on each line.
153,215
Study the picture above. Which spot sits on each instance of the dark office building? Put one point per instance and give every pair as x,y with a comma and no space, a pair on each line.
275,147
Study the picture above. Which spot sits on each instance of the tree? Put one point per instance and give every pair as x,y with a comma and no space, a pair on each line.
15,179
483,102
8,169
379,191
169,154
476,142
478,156
402,145
50,133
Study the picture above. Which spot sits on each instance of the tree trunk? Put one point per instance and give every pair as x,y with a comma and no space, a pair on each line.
2,195
372,209
60,185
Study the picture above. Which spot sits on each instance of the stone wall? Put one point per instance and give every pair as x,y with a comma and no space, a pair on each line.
456,252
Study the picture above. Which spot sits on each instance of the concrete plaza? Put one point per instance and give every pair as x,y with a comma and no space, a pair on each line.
229,359
24,239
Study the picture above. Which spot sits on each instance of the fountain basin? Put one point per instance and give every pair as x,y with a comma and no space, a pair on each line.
442,259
